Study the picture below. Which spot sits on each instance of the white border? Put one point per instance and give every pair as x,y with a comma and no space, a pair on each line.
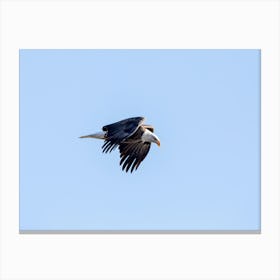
140,24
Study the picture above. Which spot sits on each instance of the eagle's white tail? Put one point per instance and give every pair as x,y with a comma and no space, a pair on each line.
98,135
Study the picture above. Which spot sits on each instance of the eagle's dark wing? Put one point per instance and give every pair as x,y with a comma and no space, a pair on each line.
133,153
119,132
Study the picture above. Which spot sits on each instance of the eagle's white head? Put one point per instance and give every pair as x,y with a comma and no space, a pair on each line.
149,136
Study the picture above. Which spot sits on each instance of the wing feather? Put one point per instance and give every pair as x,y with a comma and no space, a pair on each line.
132,154
119,132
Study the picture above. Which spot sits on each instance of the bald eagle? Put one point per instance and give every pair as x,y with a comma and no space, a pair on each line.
131,136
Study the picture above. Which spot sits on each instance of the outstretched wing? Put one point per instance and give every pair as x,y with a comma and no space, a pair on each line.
132,154
119,132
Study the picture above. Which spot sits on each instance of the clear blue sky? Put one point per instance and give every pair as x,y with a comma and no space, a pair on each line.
205,107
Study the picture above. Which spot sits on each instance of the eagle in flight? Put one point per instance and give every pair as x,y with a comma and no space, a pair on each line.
131,136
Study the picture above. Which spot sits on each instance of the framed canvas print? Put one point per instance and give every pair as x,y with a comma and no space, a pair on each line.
203,202
205,109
